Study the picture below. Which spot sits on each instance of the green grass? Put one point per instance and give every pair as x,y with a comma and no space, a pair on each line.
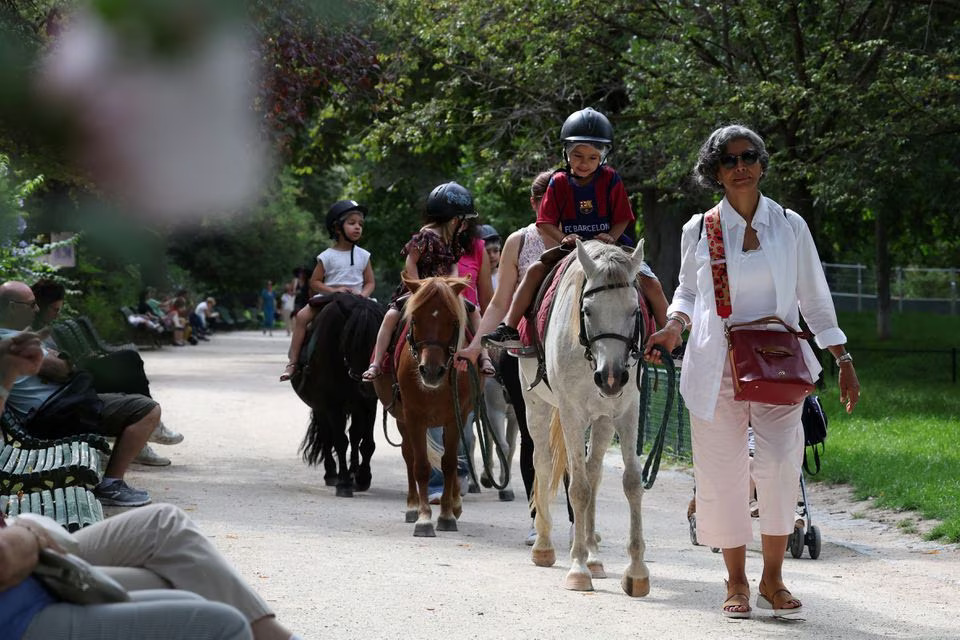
901,446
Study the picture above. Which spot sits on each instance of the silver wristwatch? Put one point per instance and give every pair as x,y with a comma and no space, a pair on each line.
844,358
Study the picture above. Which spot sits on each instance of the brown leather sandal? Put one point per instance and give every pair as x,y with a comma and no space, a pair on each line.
776,604
737,600
288,371
371,374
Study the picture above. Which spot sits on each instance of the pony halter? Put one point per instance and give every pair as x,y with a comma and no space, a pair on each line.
633,342
451,347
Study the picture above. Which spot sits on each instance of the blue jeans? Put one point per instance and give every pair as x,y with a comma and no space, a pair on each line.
435,484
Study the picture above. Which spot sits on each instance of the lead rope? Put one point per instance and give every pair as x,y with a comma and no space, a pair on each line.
652,464
481,424
396,393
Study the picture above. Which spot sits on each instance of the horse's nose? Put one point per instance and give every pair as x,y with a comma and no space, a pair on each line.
432,373
610,384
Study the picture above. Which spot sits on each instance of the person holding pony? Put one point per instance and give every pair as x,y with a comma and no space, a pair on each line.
585,200
770,268
344,267
434,250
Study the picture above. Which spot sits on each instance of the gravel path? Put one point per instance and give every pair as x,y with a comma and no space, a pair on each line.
351,568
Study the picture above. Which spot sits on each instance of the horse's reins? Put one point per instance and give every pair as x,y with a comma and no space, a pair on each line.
652,465
632,342
482,423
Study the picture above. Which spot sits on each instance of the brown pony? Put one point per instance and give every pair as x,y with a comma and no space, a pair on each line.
434,322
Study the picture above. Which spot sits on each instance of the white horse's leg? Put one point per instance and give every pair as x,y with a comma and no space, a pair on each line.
601,434
636,577
578,578
538,421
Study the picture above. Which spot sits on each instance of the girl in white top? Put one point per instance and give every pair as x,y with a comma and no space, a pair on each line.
343,268
773,269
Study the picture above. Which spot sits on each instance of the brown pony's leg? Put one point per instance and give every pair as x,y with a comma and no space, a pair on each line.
417,434
450,500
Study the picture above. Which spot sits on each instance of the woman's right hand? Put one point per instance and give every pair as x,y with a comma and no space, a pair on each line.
670,337
20,546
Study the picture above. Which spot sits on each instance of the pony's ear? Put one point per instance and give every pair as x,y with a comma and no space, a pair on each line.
636,259
412,285
459,285
589,268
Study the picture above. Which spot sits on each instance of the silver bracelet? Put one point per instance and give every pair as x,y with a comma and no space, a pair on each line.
844,358
684,325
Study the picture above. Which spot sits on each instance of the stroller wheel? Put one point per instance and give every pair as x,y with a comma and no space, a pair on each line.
692,519
813,541
795,542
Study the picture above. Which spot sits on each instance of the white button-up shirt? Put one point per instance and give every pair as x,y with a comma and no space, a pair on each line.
798,280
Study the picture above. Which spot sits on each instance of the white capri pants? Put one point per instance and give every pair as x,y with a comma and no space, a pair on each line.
721,468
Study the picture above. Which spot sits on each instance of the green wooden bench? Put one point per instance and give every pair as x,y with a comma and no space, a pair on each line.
84,327
14,433
141,335
62,464
73,507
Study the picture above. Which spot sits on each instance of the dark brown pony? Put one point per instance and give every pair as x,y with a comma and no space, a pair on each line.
424,376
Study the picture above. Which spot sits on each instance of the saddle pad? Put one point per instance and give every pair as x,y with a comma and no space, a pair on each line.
542,312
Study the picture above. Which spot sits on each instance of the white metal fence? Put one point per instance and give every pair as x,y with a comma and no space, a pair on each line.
854,288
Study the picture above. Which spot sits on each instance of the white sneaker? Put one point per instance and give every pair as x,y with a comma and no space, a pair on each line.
150,458
163,435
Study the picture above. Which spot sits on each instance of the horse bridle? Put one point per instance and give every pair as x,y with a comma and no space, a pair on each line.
633,343
451,346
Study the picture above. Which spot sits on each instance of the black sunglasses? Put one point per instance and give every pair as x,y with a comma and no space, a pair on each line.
749,157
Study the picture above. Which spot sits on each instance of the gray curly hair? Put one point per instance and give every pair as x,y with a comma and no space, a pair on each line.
708,159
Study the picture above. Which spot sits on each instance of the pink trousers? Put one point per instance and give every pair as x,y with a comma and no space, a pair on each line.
721,467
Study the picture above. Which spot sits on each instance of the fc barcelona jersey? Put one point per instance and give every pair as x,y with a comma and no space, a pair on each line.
587,210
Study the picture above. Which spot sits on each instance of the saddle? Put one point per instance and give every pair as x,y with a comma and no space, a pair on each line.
532,328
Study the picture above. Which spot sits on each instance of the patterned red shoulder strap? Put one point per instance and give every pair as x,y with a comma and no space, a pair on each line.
718,262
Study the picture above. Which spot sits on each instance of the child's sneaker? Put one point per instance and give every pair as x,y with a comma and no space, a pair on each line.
504,337
118,493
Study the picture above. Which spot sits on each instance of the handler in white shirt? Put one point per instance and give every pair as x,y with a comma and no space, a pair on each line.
773,268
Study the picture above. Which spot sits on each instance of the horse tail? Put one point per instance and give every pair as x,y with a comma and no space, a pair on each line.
558,452
314,442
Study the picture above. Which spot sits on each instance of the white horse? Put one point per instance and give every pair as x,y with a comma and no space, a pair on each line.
593,338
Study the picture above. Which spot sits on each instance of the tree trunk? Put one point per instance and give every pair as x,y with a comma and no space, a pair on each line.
884,329
661,231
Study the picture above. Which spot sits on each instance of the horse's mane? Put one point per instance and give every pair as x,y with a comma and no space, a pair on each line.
440,286
365,317
612,264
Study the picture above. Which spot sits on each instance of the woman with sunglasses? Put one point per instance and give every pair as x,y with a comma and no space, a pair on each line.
772,269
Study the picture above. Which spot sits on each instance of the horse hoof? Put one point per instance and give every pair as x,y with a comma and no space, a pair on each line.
576,581
506,495
596,570
362,481
424,530
635,587
330,481
345,491
544,557
486,481
446,524
411,516
473,487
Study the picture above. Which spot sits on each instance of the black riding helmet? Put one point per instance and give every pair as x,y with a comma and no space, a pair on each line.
450,200
590,126
338,213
